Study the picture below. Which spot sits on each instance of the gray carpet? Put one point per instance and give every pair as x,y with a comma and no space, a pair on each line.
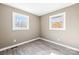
39,47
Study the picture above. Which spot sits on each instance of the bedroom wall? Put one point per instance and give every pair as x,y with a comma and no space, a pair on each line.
7,35
71,35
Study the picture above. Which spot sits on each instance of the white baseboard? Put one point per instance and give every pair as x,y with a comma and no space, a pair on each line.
67,46
2,49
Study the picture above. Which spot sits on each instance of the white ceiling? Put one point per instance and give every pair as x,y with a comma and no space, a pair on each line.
39,8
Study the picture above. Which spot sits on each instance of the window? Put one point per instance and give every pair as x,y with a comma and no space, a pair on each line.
57,22
20,21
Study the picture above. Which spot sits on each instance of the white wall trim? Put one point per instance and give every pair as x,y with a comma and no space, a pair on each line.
67,46
5,48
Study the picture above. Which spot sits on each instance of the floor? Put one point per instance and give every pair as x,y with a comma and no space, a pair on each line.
39,47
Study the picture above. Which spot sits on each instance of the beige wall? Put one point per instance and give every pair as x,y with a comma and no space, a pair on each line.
39,27
7,35
71,35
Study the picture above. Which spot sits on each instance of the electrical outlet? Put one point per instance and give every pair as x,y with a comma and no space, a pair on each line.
14,40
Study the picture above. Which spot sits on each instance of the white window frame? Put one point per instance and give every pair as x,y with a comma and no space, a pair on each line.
19,28
64,22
